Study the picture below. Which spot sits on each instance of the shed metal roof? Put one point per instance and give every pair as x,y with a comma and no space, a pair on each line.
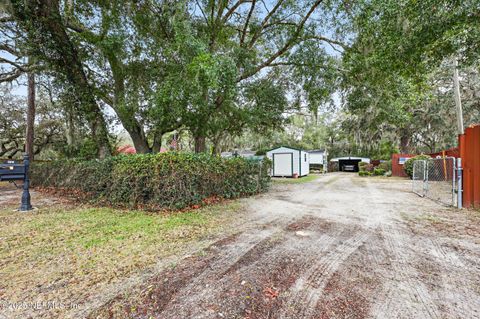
292,148
336,159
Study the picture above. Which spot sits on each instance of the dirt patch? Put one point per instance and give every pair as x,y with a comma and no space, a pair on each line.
312,223
464,224
351,290
10,197
268,289
254,254
154,297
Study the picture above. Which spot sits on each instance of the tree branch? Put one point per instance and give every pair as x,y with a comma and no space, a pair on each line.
6,19
286,46
10,76
16,65
257,34
9,49
233,8
203,12
247,21
331,42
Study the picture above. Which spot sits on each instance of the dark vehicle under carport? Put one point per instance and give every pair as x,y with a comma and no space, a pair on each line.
348,165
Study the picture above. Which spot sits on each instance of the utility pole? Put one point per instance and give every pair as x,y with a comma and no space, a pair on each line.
30,135
458,100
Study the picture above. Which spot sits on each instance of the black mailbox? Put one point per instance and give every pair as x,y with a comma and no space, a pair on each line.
12,172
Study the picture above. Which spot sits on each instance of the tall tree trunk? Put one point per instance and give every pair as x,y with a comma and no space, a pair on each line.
30,135
70,132
100,135
157,142
404,142
139,140
42,20
200,144
125,112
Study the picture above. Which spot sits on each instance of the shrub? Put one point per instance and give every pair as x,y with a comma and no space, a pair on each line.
361,166
364,173
386,165
378,172
167,180
261,152
365,167
408,166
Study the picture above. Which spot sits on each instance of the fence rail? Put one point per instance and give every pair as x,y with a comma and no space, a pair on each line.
436,179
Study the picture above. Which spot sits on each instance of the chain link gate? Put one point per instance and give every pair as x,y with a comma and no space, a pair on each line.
436,179
419,177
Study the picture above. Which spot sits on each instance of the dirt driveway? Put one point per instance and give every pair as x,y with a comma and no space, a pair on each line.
341,246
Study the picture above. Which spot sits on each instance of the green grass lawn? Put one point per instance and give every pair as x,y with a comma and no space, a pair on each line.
66,253
300,180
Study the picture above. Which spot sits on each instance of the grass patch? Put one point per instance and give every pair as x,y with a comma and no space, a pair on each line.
66,254
300,180
429,218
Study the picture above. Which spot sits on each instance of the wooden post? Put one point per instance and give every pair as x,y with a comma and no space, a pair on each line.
444,166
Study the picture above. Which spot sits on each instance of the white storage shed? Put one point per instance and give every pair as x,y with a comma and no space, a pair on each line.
287,161
317,157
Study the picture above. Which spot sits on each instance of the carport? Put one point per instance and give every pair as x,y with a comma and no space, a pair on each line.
349,165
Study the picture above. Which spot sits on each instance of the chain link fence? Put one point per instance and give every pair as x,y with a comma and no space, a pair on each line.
436,179
419,177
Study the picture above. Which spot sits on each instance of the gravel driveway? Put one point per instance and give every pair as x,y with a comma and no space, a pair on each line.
341,246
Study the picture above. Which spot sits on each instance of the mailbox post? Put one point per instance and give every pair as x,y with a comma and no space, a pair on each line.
26,205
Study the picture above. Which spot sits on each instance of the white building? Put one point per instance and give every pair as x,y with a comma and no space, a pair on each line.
288,161
317,157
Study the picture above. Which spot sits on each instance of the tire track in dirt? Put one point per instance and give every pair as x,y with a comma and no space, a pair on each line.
259,268
351,290
307,290
171,284
281,267
243,248
407,295
451,280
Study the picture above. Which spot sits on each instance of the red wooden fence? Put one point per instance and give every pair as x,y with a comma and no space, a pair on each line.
397,164
451,152
469,145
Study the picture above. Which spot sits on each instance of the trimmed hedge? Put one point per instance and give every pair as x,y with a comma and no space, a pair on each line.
168,180
379,171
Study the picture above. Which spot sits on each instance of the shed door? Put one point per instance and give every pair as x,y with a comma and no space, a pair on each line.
283,164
